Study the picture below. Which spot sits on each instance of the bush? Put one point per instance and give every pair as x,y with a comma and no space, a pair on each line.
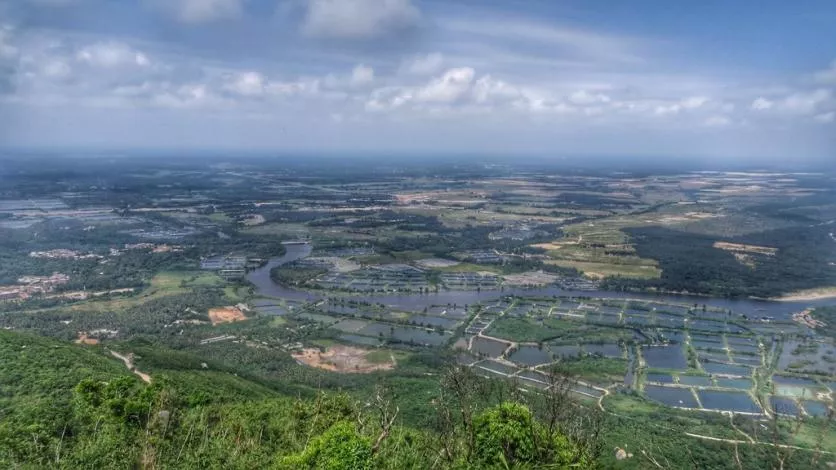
339,448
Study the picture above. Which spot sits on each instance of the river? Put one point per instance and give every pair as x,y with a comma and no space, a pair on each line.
265,286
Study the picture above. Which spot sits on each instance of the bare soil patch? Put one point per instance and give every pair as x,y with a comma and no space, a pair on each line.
533,278
84,339
253,220
225,315
750,249
555,245
431,263
809,295
343,359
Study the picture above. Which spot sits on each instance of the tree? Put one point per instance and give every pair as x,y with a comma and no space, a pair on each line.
340,448
507,435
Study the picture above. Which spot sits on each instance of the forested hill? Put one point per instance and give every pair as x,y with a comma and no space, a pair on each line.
72,406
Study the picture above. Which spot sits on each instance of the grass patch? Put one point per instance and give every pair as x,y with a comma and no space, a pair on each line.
381,356
602,270
163,284
594,369
277,321
289,230
468,268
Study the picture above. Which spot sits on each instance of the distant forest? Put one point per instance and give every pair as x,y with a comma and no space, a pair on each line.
690,263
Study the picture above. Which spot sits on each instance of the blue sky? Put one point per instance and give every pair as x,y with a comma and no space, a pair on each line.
711,79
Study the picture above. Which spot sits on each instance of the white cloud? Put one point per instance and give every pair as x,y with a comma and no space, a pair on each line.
691,103
806,102
827,76
578,42
664,110
112,54
585,98
486,89
164,94
423,65
359,19
457,89
718,121
362,75
797,103
247,84
762,104
199,11
310,87
694,102
826,118
56,69
184,96
448,88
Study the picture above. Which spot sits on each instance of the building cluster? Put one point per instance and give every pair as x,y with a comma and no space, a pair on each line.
228,266
516,233
63,254
806,318
154,247
28,286
484,257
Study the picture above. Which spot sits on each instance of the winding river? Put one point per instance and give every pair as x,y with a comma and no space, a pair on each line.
265,286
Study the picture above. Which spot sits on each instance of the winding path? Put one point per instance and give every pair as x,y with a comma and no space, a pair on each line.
129,363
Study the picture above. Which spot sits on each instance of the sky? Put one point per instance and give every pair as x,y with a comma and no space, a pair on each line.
712,79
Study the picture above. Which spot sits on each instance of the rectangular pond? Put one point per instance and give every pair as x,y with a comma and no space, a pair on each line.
748,360
815,408
699,380
496,367
728,401
665,357
783,406
276,310
604,350
357,339
534,375
351,326
531,356
659,378
404,334
727,369
565,351
742,384
744,348
425,320
488,347
670,396
466,359
709,345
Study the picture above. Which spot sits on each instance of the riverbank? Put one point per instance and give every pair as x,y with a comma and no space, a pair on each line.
264,286
809,295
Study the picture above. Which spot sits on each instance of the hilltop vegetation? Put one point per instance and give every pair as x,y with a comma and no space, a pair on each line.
67,406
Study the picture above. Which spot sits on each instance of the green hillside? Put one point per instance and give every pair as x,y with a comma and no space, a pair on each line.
69,406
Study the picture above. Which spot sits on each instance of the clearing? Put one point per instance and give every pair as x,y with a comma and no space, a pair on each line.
225,315
532,278
346,359
601,270
820,293
84,339
751,249
129,363
431,263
